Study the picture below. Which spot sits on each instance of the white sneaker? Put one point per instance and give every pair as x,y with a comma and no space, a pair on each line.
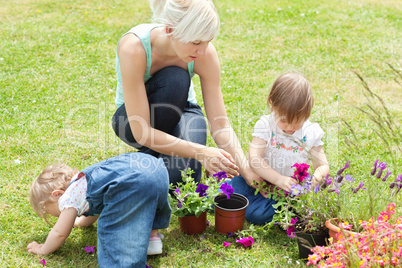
155,246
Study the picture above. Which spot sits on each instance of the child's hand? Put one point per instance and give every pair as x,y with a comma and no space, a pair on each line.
286,183
34,247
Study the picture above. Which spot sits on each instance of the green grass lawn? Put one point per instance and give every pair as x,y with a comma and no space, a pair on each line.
57,82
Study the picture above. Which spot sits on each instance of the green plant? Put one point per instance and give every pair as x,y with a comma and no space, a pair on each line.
192,198
308,206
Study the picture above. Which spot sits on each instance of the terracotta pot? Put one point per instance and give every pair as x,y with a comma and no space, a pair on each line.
193,224
333,229
230,213
307,241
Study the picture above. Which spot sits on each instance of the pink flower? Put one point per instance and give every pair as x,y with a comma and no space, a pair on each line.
226,244
291,231
313,259
246,241
90,249
345,225
391,208
301,171
384,216
42,261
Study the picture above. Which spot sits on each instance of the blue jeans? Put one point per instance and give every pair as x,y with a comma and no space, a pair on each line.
259,210
130,192
170,112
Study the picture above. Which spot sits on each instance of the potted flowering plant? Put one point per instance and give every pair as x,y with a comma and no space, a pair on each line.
191,200
379,244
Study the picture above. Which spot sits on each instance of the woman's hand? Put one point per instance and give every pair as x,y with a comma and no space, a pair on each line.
215,160
34,247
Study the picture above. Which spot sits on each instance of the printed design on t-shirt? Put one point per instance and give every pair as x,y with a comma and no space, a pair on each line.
279,145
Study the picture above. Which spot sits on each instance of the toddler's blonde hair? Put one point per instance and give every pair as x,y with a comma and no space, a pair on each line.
190,20
54,177
291,96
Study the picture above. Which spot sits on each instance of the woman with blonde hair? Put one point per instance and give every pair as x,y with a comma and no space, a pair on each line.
157,109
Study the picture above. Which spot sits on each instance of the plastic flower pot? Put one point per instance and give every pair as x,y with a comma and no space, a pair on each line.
230,213
333,230
306,242
193,224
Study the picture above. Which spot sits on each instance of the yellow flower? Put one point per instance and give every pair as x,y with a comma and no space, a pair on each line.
38,10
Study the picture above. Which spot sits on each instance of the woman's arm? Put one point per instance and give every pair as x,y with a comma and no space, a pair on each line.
132,65
57,235
261,167
208,68
320,163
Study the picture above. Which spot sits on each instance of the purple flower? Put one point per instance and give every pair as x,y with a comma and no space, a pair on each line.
227,189
359,187
317,188
339,179
230,234
386,175
42,261
226,244
201,190
336,190
246,241
147,266
349,178
220,175
328,180
398,178
177,191
375,168
179,205
399,187
89,249
340,171
296,189
381,166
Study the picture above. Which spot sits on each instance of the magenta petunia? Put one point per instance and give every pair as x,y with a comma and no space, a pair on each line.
291,231
301,171
226,244
43,262
89,249
246,242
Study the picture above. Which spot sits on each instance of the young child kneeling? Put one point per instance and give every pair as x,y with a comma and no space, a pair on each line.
129,194
280,140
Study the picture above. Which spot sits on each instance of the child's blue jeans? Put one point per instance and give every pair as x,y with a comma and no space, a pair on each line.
130,192
170,112
259,210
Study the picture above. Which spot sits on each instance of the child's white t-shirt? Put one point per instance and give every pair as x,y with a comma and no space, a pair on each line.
284,150
75,195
